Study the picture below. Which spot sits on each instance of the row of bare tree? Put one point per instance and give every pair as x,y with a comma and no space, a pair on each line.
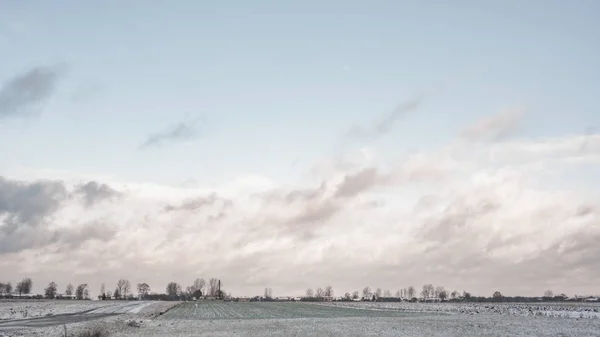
320,292
22,288
122,290
428,292
198,288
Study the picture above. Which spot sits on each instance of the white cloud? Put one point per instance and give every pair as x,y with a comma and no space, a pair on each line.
467,216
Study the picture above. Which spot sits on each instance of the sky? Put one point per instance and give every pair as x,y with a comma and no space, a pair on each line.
296,145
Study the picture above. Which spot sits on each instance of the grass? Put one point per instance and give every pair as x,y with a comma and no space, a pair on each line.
94,331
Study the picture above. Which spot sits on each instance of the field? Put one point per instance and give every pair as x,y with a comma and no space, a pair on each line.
364,319
564,310
264,310
215,318
19,309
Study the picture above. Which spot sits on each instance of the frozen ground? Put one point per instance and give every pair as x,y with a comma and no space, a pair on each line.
409,326
19,309
566,310
109,315
304,319
213,310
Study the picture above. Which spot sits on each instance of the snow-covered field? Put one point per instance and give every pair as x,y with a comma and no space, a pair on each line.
267,310
343,319
565,310
18,309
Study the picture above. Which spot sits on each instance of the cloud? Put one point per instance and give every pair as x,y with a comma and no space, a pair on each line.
24,203
494,127
180,132
195,204
28,90
27,211
467,215
386,123
94,192
356,183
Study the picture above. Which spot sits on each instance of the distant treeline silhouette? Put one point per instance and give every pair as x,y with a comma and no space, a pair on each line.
212,290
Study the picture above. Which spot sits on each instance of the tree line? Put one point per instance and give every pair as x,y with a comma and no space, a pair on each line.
428,292
200,287
122,291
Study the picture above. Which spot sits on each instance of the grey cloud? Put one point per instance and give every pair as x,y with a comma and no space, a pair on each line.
181,132
94,192
354,184
29,203
95,230
455,219
493,127
27,90
216,218
195,204
28,208
316,212
28,238
305,194
311,207
386,123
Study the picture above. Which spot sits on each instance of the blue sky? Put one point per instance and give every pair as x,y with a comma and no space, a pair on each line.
300,156
285,81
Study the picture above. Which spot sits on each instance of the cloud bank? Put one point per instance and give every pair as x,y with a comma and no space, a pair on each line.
488,215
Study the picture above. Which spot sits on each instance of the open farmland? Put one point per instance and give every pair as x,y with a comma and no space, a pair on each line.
558,310
269,310
308,319
19,309
216,318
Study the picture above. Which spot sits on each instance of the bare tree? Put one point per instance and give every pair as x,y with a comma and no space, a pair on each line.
102,289
143,290
109,294
398,294
411,292
428,291
198,285
213,286
355,295
366,292
309,293
454,294
119,290
440,293
24,287
466,295
548,294
387,293
329,291
6,288
124,288
320,293
378,293
173,289
50,291
69,290
117,294
82,292
268,293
